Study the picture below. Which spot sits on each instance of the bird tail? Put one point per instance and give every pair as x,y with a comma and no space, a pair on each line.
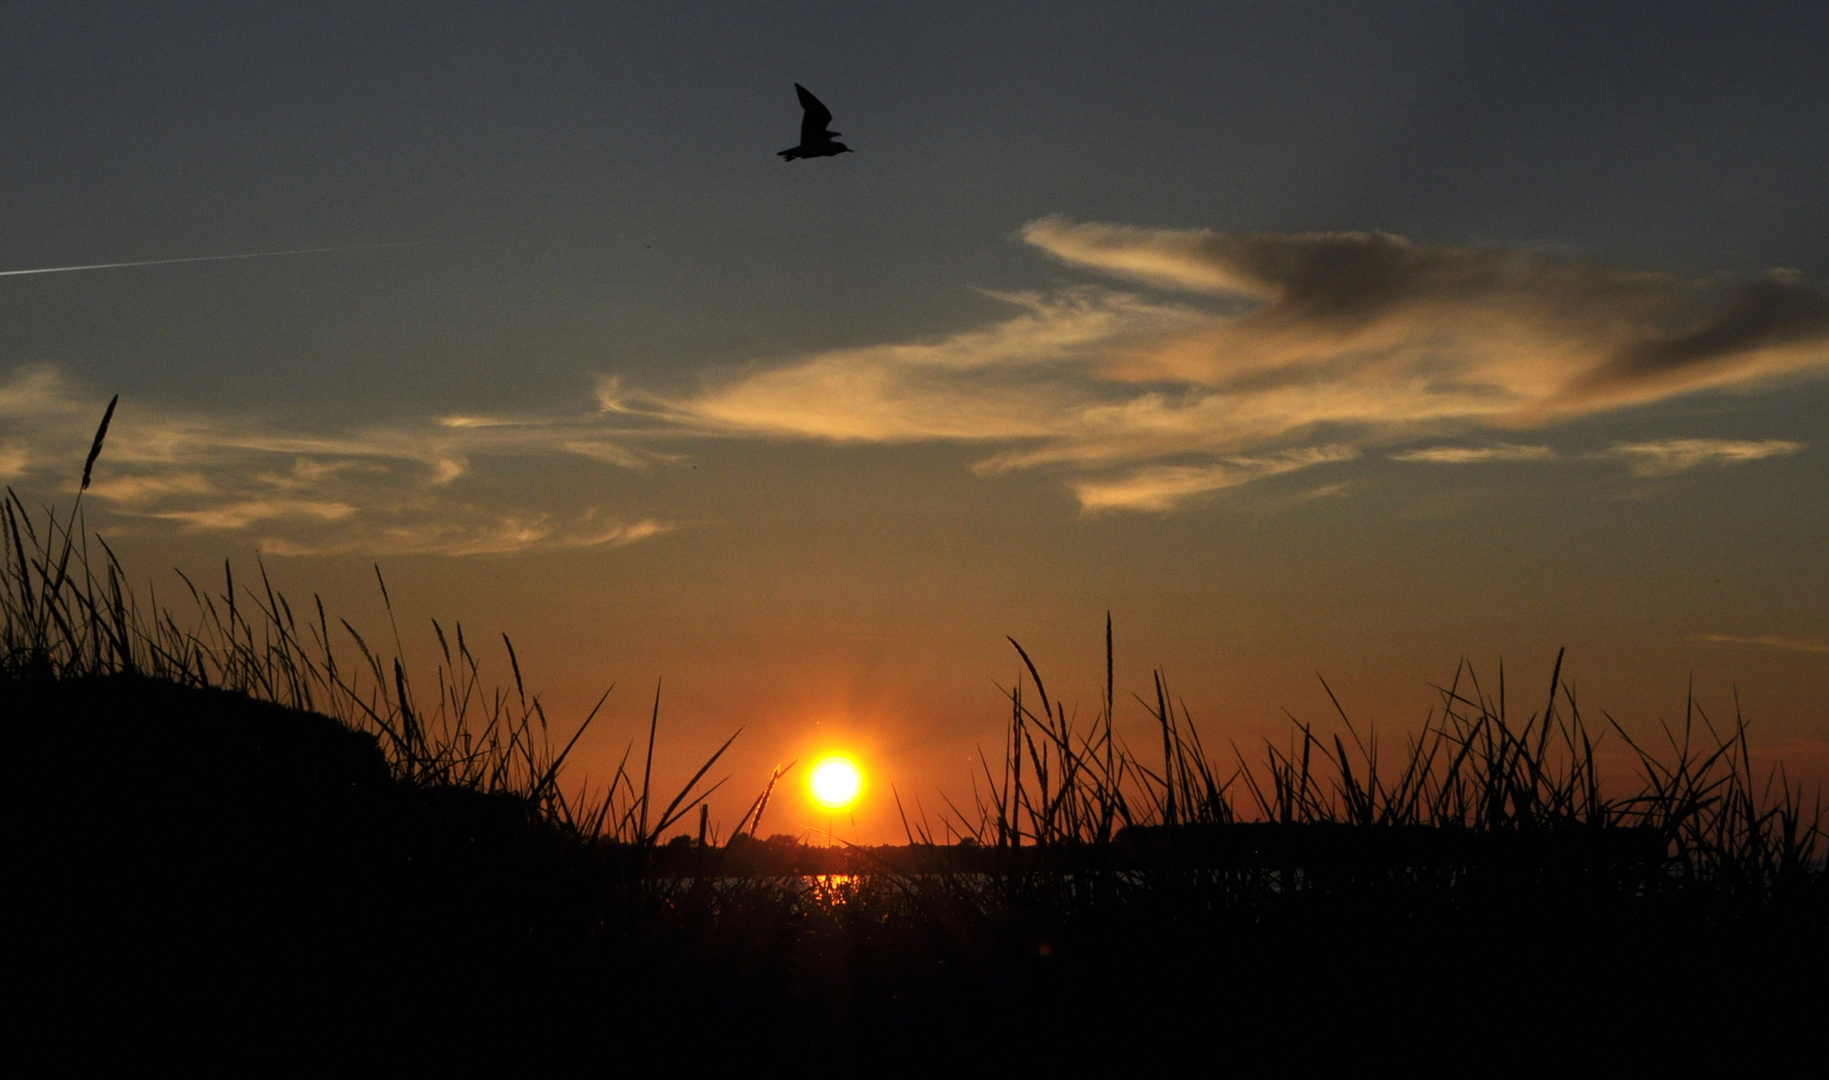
789,154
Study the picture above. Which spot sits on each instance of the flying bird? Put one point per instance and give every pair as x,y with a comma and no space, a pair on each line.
815,140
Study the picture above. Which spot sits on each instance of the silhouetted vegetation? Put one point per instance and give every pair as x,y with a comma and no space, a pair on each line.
260,818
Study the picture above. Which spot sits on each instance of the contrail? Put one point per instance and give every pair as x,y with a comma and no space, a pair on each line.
208,258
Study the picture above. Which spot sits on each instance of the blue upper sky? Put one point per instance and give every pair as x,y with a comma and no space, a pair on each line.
602,182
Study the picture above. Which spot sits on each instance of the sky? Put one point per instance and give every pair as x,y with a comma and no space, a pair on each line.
1339,340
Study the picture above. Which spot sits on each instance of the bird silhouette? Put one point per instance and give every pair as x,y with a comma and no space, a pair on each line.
815,140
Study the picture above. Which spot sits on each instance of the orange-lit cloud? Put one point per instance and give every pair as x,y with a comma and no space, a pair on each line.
384,490
1508,337
1667,457
1026,378
1160,487
1782,644
1661,457
1463,455
1303,344
1285,352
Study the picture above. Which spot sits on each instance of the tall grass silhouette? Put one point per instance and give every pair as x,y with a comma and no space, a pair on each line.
69,613
1081,861
1702,811
1471,770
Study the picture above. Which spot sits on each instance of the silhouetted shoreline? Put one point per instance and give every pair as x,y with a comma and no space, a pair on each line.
253,861
206,859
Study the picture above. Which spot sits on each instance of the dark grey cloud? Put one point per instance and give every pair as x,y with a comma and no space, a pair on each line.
1777,312
1538,334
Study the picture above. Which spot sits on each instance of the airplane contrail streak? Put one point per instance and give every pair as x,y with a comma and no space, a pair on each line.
208,258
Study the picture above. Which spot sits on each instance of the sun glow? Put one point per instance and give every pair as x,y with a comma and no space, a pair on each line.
835,783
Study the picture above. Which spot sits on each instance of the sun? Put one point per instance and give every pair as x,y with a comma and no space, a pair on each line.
835,782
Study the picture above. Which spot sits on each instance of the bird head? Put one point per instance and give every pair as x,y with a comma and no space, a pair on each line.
843,149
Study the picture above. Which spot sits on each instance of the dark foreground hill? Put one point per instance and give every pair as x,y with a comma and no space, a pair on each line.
201,871
209,860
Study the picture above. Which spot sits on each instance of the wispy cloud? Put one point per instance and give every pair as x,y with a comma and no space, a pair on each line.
1509,337
397,489
1766,642
14,459
1027,378
510,535
1667,457
1291,344
1283,352
1161,487
1465,455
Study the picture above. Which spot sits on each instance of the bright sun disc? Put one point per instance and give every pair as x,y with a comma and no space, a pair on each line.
835,783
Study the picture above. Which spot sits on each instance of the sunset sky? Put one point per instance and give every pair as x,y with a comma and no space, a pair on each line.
1349,339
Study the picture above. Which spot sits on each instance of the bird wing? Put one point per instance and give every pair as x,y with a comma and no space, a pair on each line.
817,117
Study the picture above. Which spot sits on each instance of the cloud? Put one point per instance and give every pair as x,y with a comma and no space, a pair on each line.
1668,457
502,536
242,514
1283,343
1464,455
1161,487
15,461
1030,387
1766,642
1025,378
1507,337
385,490
1269,353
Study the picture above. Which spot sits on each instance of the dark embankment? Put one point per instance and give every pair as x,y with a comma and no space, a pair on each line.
237,833
199,866
182,841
